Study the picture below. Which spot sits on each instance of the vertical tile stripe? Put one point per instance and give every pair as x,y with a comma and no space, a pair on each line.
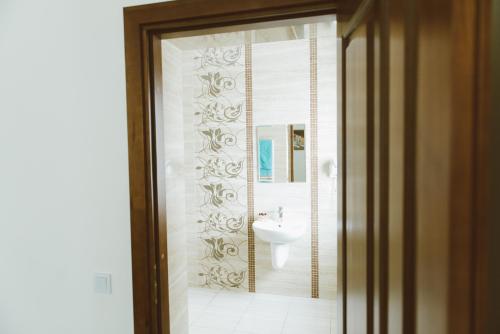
214,269
250,165
313,59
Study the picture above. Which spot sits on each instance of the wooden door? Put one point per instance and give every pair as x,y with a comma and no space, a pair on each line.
359,154
415,209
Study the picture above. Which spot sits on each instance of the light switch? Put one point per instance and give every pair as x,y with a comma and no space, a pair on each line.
102,283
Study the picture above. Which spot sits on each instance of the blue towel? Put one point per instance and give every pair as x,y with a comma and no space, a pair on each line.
265,158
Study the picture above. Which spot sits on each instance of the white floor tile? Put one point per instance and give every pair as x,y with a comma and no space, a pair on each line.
224,312
269,308
195,313
258,324
204,330
217,320
234,302
300,325
199,299
317,308
202,292
271,297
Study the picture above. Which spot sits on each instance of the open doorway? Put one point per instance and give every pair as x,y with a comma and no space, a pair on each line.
232,141
250,163
249,139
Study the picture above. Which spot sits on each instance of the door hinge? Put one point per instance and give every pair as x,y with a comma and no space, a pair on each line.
156,293
155,285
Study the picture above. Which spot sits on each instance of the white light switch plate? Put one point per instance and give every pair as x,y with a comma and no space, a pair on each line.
102,283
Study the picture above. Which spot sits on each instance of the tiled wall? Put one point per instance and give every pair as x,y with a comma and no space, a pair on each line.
327,152
214,165
281,96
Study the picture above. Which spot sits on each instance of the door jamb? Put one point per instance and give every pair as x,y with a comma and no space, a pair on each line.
143,28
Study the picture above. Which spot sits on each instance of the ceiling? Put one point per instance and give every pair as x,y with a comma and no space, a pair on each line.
284,32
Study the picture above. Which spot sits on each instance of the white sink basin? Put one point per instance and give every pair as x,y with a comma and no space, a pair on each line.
279,235
278,232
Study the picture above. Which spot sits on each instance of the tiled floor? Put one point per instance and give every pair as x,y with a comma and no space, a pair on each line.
213,312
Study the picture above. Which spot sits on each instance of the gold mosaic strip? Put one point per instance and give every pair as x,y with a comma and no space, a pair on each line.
313,60
250,165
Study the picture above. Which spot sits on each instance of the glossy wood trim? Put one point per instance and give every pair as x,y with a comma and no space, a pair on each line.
484,251
188,15
140,179
290,154
370,146
357,181
409,173
142,26
364,9
180,12
462,229
381,167
364,17
434,150
490,121
159,182
341,188
449,113
438,166
395,164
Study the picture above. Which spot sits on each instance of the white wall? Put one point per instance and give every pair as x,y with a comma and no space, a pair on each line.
64,203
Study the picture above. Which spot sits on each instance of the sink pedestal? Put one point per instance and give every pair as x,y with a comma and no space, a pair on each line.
279,234
279,254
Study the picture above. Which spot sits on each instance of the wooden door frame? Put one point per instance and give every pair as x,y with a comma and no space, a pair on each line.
401,31
143,28
354,15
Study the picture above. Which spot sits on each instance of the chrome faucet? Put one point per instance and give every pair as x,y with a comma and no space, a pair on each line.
280,213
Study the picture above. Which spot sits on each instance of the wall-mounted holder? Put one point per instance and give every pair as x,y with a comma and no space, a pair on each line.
331,169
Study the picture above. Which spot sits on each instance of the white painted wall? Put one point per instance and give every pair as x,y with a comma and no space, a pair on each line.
64,203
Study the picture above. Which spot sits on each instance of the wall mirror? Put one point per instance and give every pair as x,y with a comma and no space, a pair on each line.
281,154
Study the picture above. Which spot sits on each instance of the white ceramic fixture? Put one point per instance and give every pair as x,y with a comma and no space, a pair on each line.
279,234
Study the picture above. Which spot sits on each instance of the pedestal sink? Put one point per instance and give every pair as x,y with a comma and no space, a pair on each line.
279,235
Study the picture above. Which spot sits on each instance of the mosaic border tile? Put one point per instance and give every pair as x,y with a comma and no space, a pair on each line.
250,164
313,59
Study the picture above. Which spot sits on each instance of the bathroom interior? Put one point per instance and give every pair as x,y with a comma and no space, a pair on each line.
250,162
